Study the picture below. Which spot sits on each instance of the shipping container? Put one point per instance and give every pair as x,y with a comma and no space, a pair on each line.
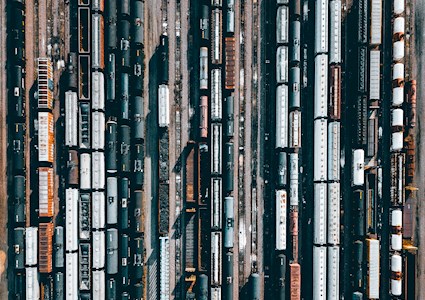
45,246
335,38
229,222
282,64
282,24
216,257
59,247
293,179
321,27
71,219
216,36
98,240
216,160
295,283
333,273
319,273
216,203
203,120
164,268
295,53
320,213
163,106
334,155
373,257
111,251
46,137
98,61
230,63
124,148
281,211
203,61
376,22
31,249
45,83
32,285
294,87
18,147
335,95
334,211
358,167
84,266
19,248
321,85
216,95
320,150
282,116
71,119
71,276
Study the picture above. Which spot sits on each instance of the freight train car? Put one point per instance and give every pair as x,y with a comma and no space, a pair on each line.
112,251
335,93
164,267
335,37
333,273
18,248
112,200
45,246
204,23
320,213
19,198
281,207
110,79
230,63
84,77
294,87
45,192
59,247
373,258
216,160
282,24
295,53
71,223
71,119
71,276
229,112
293,179
229,222
111,146
320,150
216,259
18,147
203,61
295,134
190,242
216,36
32,285
216,203
281,277
84,125
321,86
163,106
138,11
98,91
203,120
84,267
84,216
228,157
98,130
319,272
282,64
46,137
98,242
192,173
216,95
163,57
334,211
98,170
281,117
334,155
98,210
228,276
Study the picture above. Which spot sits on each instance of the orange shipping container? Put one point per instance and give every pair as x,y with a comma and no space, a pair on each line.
45,231
230,63
45,192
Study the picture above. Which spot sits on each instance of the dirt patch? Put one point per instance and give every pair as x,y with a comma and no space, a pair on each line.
2,262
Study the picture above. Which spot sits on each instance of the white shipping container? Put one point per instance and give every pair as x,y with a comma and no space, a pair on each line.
282,24
397,141
293,179
281,219
282,116
98,285
85,171
375,75
216,97
282,64
334,155
71,274
320,213
98,249
398,50
71,119
98,167
320,150
321,86
321,27
373,258
295,129
376,22
319,273
397,117
32,286
31,246
98,210
163,106
98,91
46,137
333,273
216,258
398,96
358,167
335,32
71,219
164,268
334,211
98,131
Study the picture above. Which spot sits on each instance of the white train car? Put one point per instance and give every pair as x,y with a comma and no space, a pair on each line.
295,129
398,7
320,150
293,179
398,74
71,119
396,229
216,149
376,22
46,137
282,116
321,86
98,170
397,117
282,25
71,219
230,24
98,131
112,203
97,56
397,141
320,213
372,279
398,95
98,285
319,273
396,275
164,268
321,27
358,167
98,91
98,210
85,171
375,75
216,96
334,151
282,64
398,28
216,38
333,273
216,264
31,246
398,51
203,61
32,286
334,211
335,32
216,203
216,293
217,3
281,203
98,261
71,276
163,106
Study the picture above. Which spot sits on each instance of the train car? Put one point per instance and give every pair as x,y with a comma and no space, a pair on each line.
293,179
321,27
295,129
361,115
85,171
138,118
124,194
333,273
320,213
138,165
163,106
202,290
98,130
72,72
112,200
230,20
84,125
396,275
281,117
110,79
125,161
216,36
335,95
398,7
321,86
125,9
204,22
138,10
396,230
216,293
71,276
138,259
98,289
216,95
375,75
282,55
138,68
294,87
164,267
191,172
71,119
358,167
164,208
71,217
59,286
84,32
45,192
111,146
372,278
203,61
320,150
295,53
204,239
124,29
359,205
216,160
229,222
216,259
216,3
190,242
295,281
362,67
31,249
358,263
98,5
282,169
18,147
282,24
84,216
32,285
281,277
230,59
228,276
376,22
229,111
59,247
281,212
362,19
398,75
98,210
125,97
334,155
203,120
98,241
19,248
228,157
111,20
17,91
97,54
46,137
125,54
98,91
98,170
84,267
72,165
216,203
335,36
163,56
124,256
45,246
334,211
111,251
372,133
19,198
255,291
319,272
